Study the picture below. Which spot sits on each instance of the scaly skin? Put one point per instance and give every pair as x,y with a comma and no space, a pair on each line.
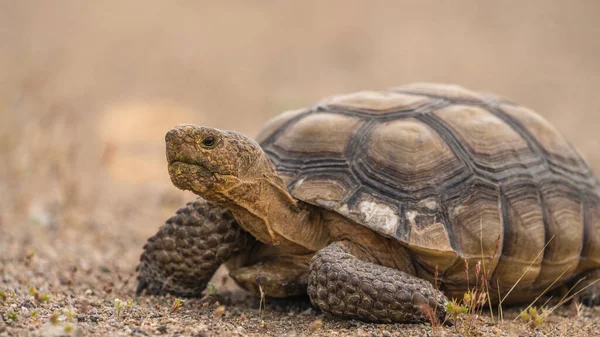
590,296
184,254
345,281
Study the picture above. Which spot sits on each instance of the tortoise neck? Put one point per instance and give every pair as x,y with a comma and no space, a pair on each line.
263,206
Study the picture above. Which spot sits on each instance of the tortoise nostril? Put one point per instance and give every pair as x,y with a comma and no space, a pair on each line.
172,136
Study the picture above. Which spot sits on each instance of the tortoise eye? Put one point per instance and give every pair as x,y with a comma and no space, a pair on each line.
208,142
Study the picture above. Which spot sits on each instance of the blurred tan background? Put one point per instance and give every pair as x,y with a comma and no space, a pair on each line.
89,88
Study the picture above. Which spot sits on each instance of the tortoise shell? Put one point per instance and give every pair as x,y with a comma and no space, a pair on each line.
452,174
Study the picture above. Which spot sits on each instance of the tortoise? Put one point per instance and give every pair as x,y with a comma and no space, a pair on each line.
382,204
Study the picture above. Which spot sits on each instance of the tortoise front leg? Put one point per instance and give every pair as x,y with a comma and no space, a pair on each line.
185,253
345,281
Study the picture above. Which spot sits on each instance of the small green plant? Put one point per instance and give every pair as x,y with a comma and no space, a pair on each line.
535,319
40,297
70,314
211,289
465,311
68,328
12,316
455,309
176,305
121,307
33,314
118,307
3,296
532,317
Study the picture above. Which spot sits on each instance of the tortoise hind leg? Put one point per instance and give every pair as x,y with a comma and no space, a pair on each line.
346,281
279,276
590,296
187,250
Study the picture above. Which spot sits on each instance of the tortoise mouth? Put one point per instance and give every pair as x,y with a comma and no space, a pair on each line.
189,166
179,161
190,176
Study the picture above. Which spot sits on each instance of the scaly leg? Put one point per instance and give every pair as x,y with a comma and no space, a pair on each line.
345,281
591,295
185,253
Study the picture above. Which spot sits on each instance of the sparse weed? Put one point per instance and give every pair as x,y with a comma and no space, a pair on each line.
579,308
430,314
40,297
262,304
12,316
464,312
211,289
566,298
118,307
176,305
532,317
121,307
70,314
3,296
54,318
455,309
68,328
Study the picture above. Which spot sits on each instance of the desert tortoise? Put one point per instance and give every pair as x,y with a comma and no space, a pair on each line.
362,198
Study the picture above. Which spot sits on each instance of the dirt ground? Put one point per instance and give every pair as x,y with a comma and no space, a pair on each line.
88,90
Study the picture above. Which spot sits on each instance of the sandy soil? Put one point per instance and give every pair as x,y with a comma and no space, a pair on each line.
88,90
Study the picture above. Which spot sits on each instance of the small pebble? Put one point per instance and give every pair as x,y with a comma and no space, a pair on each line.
219,311
316,325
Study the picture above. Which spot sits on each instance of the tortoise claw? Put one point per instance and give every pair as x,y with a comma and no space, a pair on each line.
142,285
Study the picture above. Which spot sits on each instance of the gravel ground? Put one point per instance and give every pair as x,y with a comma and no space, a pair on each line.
88,91
60,292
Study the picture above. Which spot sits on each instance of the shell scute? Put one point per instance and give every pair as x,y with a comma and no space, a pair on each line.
319,133
493,144
409,155
556,147
374,102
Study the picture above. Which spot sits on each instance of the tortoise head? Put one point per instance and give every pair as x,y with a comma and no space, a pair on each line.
232,170
207,161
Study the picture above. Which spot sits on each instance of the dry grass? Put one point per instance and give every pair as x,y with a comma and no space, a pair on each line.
88,90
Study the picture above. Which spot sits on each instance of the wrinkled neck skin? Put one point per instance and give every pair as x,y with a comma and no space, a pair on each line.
262,205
